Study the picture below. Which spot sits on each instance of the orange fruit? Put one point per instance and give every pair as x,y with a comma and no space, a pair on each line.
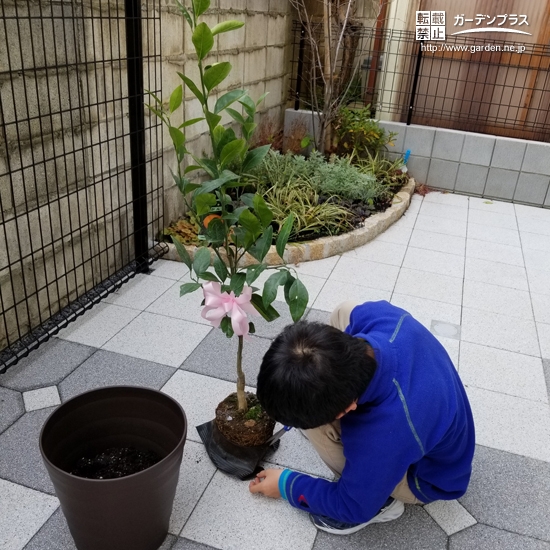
209,218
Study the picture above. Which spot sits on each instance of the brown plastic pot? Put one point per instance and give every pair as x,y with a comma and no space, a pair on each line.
128,513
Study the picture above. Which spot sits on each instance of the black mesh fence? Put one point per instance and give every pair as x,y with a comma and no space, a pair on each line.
466,83
81,194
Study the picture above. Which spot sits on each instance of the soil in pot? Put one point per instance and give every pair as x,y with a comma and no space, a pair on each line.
114,462
252,428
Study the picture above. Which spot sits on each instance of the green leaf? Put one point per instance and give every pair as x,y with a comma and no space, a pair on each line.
201,262
182,252
156,112
250,222
249,105
235,115
254,157
204,202
226,326
248,129
237,283
191,168
216,231
261,98
271,286
212,185
193,87
190,122
212,119
220,268
253,272
248,199
284,233
269,314
185,13
227,26
155,97
177,136
227,99
200,6
289,282
207,276
187,288
228,136
216,74
232,151
209,166
298,300
262,245
176,98
262,210
202,39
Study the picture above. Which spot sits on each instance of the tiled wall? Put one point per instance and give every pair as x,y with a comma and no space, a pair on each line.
476,164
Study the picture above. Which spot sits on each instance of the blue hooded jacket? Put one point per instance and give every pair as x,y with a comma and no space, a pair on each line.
414,417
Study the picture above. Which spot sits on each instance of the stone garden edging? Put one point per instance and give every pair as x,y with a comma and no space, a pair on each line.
325,247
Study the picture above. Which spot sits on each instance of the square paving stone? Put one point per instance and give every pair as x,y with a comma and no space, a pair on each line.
482,536
494,234
434,261
22,513
195,474
274,328
438,241
46,366
365,273
229,516
509,492
216,356
414,530
41,398
450,515
158,338
511,423
336,292
495,252
496,273
431,286
168,269
11,407
20,459
105,368
379,251
426,311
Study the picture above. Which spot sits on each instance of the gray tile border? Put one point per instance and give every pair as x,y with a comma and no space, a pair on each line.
482,536
11,407
501,184
478,149
509,492
106,368
448,145
442,174
537,159
418,168
419,139
41,398
216,356
546,369
414,530
20,459
46,366
531,188
450,515
471,178
508,153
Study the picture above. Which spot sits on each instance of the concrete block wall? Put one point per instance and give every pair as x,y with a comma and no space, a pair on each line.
259,53
476,164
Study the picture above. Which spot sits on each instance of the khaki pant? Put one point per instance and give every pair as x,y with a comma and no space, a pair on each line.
326,439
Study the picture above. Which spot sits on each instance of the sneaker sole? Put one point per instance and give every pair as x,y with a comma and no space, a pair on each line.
393,511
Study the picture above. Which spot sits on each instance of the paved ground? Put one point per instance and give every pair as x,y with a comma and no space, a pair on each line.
476,272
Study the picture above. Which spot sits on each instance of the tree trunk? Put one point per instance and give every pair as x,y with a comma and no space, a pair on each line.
241,395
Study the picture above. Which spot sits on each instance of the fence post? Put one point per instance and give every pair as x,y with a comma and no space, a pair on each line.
134,53
415,83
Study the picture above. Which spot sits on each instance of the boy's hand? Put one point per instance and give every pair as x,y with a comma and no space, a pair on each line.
267,483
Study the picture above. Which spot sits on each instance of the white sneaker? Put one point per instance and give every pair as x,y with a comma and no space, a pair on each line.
391,510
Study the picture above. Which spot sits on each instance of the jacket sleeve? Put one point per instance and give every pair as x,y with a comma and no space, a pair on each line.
379,449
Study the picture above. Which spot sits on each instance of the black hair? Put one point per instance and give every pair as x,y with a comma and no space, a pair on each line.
311,373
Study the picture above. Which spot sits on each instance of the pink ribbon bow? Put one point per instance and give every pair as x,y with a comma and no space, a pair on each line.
218,304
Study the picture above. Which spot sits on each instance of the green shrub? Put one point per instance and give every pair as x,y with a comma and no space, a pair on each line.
357,133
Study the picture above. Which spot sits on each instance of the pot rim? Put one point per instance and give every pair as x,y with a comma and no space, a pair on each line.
180,443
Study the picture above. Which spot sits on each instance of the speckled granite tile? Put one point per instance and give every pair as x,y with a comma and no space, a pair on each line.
450,515
11,407
483,536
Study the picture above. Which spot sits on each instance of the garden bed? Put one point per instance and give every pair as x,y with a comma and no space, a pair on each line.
325,247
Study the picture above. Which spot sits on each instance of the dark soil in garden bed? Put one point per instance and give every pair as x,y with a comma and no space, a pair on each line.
114,462
248,429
